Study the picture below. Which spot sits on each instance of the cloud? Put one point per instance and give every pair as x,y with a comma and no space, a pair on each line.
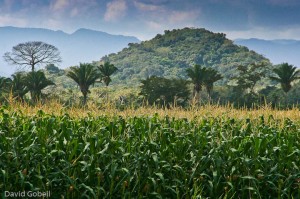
158,15
74,12
7,4
7,20
147,7
265,33
154,25
60,4
115,10
260,18
53,23
182,16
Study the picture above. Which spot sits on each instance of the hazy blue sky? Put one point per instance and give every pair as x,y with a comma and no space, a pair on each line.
266,19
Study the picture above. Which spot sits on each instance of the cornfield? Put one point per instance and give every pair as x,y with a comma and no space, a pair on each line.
149,155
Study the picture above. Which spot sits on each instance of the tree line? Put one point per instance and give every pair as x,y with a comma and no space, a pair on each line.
155,89
33,54
159,90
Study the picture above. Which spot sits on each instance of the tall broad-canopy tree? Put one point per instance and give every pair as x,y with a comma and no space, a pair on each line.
106,70
285,75
244,84
249,75
31,54
35,82
211,76
85,75
197,74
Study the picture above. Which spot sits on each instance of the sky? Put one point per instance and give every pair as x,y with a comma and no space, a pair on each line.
265,19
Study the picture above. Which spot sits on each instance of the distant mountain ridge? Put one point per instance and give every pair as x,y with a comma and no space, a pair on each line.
83,45
278,51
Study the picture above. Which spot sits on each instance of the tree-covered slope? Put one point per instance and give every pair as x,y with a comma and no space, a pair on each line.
169,55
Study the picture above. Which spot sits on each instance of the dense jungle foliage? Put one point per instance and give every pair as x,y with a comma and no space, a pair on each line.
169,55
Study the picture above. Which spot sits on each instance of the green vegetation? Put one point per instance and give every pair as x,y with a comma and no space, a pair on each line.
35,82
248,76
243,86
106,70
149,156
211,77
18,87
152,139
202,76
4,85
197,74
85,75
169,56
175,56
286,74
22,83
164,92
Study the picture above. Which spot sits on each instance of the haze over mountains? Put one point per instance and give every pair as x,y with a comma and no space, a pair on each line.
83,45
86,45
278,51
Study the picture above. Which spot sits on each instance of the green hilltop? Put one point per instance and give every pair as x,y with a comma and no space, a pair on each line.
170,54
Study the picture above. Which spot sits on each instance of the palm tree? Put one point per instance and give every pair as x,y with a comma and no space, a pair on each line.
4,82
18,86
4,85
286,74
35,83
197,74
85,75
106,70
211,76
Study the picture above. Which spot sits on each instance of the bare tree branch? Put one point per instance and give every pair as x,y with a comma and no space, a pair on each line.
33,54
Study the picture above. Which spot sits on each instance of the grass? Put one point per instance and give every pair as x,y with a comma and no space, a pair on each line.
102,152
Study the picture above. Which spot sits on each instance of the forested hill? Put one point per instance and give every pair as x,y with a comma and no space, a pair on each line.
169,55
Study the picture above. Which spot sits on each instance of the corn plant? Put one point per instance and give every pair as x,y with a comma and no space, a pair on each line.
148,156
